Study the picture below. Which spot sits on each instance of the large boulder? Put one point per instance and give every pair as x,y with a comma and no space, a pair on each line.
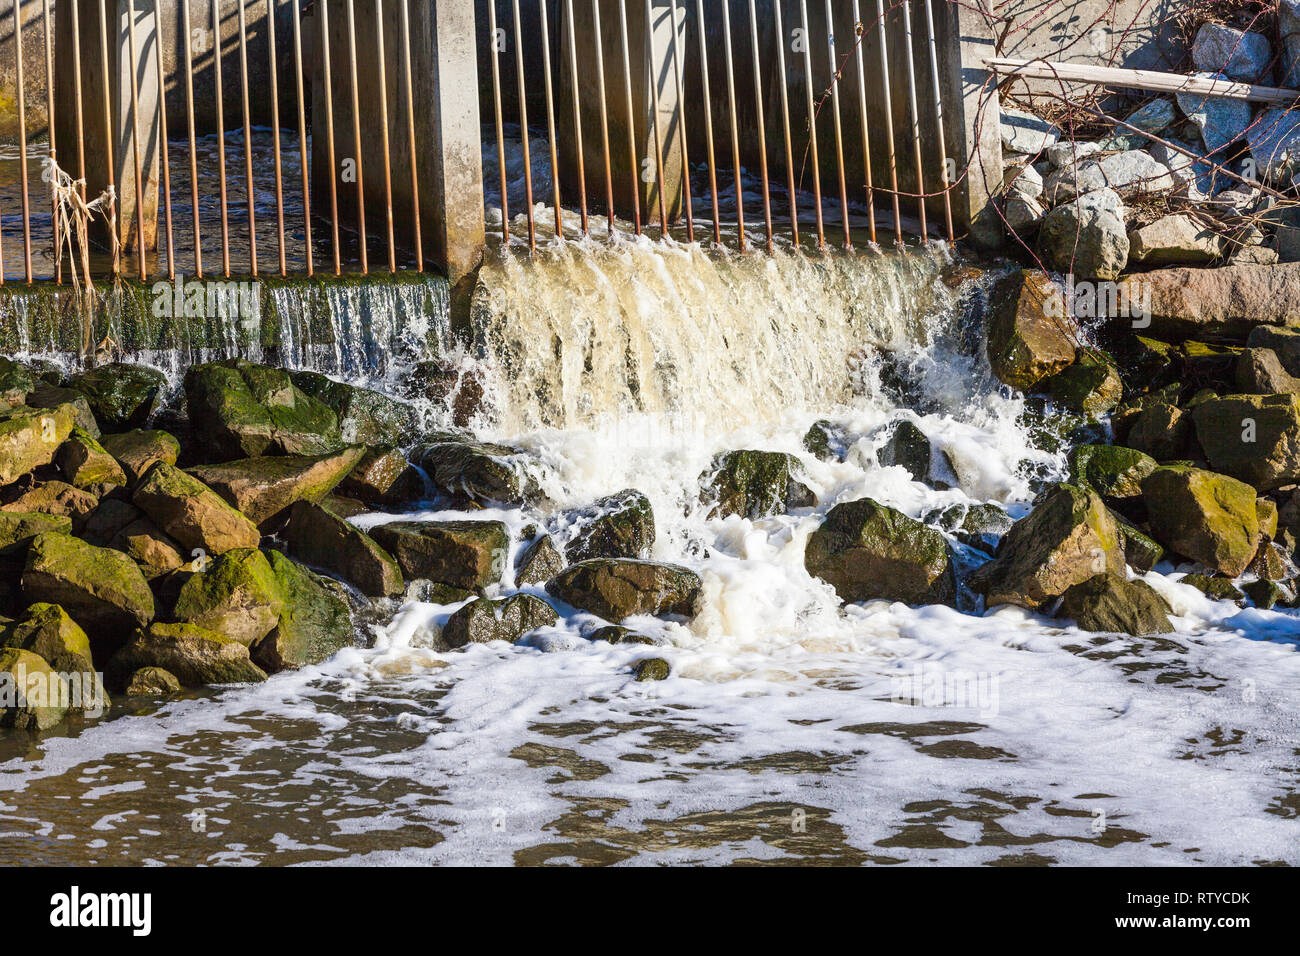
463,554
1111,470
1030,335
476,472
1260,372
508,619
319,537
752,484
1069,537
1161,430
1255,438
121,395
1108,603
52,396
617,588
193,655
236,595
383,478
85,462
16,526
1204,516
618,526
48,631
149,547
264,488
192,513
365,417
101,589
1282,342
1087,236
32,695
140,449
30,437
868,551
1223,303
314,623
56,498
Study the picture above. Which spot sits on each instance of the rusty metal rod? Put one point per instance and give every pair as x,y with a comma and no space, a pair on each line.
687,199
302,133
860,35
187,43
708,120
496,105
812,124
652,75
275,135
938,120
76,88
356,137
833,62
916,120
631,119
108,124
550,117
22,142
135,141
383,135
221,138
328,82
410,130
762,131
164,157
523,129
735,134
889,122
48,40
577,115
604,112
785,125
248,140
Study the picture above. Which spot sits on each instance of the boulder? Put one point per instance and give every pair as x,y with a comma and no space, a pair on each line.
1141,551
752,484
383,478
56,498
447,383
101,589
149,547
365,417
1274,141
1266,594
192,513
48,631
1092,385
16,383
651,669
1069,537
476,472
1026,133
314,623
16,526
235,594
319,537
1030,335
1071,152
1260,372
508,619
1221,121
1023,214
1283,342
139,450
32,695
1131,174
868,551
617,634
1204,516
464,554
1110,604
1087,237
1194,178
1268,514
1110,470
121,395
539,562
978,526
617,588
1237,54
1224,303
618,526
908,448
1221,589
152,682
1173,240
85,463
1255,438
824,440
1023,181
52,396
193,655
30,437
264,488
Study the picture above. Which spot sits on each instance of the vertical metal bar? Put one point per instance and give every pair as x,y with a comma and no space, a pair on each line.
187,42
938,119
248,140
631,120
681,125
889,120
550,117
604,113
135,141
735,135
164,158
652,75
812,123
496,104
221,138
302,133
76,87
108,122
523,129
275,133
356,136
329,130
860,30
708,119
916,120
410,129
49,112
22,142
383,125
762,131
577,116
785,124
835,114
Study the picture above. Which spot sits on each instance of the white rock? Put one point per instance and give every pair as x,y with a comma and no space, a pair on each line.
1274,142
1131,173
1023,214
1087,236
1067,153
1024,182
1026,133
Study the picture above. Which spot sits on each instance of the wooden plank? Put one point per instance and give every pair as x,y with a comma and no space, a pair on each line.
1152,80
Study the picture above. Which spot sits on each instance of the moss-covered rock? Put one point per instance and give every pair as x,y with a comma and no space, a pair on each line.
30,437
979,526
617,588
1030,335
264,488
85,463
32,695
235,595
149,547
1162,431
619,526
1255,438
1109,603
16,526
152,682
753,484
56,498
463,554
1141,551
1208,517
314,623
1091,386
651,669
140,449
824,440
52,396
122,396
908,448
192,513
1219,588
1110,470
321,538
618,634
383,478
193,655
48,631
476,472
16,382
508,619
101,589
1266,594
539,562
1267,511
365,417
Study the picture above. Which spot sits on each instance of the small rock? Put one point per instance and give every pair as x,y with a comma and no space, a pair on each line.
651,669
754,485
1260,372
508,619
1092,385
539,562
56,498
1162,431
1024,182
383,478
1173,240
1087,236
27,684
619,526
1254,438
152,682
314,623
824,441
236,595
30,437
1110,470
85,462
16,527
48,631
365,417
477,472
1221,121
1023,215
1025,133
1069,153
1221,589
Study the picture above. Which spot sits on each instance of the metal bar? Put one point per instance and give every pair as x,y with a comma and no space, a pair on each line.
938,119
708,119
76,87
812,124
916,120
108,123
860,31
523,129
631,119
604,112
577,116
496,104
735,135
329,131
248,141
383,125
410,129
652,75
785,124
681,127
889,124
550,117
135,141
187,43
302,133
762,131
356,137
22,142
49,112
164,157
835,115
221,137
275,134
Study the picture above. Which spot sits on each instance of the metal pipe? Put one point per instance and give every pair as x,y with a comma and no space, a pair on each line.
735,135
785,124
938,121
577,116
916,120
187,43
49,112
860,30
889,123
135,140
550,117
410,130
108,123
329,131
221,138
835,114
604,112
302,133
812,124
275,134
681,128
164,156
652,75
248,140
76,87
523,129
496,104
356,137
383,125
631,120
762,132
22,142
708,120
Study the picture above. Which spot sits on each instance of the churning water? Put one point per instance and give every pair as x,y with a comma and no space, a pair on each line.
791,729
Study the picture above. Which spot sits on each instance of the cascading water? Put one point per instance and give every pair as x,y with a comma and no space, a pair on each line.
792,727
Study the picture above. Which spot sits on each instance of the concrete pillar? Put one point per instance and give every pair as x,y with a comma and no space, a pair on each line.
447,131
644,72
109,141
